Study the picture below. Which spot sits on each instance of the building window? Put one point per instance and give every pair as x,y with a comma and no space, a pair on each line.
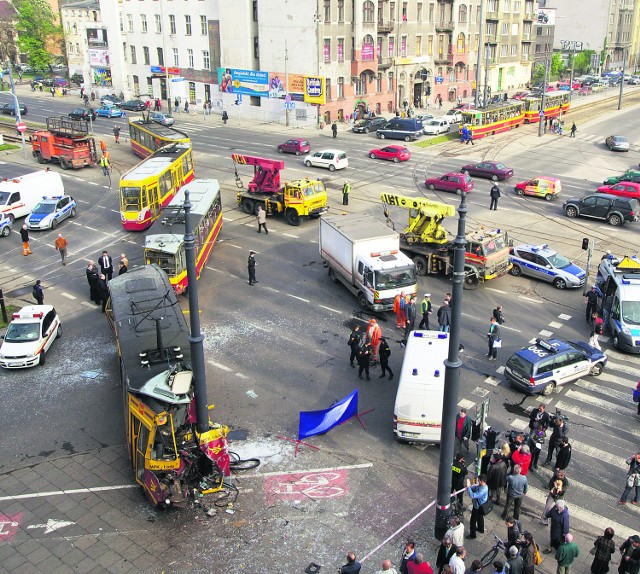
418,15
160,57
145,52
187,25
340,10
514,29
392,11
368,11
478,15
514,49
130,22
172,24
136,85
493,6
134,58
206,60
327,10
403,46
190,58
460,45
390,82
176,59
503,51
255,10
143,22
462,14
506,5
327,87
326,51
379,83
124,50
505,28
392,46
367,49
340,49
203,25
150,87
430,45
158,23
121,24
431,12
379,48
340,88
418,45
256,48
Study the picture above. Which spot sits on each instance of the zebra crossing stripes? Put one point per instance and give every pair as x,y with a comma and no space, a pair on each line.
627,369
595,415
599,388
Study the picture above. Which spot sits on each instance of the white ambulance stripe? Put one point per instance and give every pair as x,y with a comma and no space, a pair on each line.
596,388
606,405
624,369
617,380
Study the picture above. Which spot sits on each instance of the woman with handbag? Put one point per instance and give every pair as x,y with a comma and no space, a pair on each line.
494,339
558,485
633,480
603,549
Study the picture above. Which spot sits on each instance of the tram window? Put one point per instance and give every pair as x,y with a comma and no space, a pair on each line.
165,183
141,451
187,164
130,198
163,445
180,262
134,133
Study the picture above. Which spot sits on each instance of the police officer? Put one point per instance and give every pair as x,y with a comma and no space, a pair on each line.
355,340
346,188
251,266
495,194
426,309
385,353
458,473
410,310
104,164
591,301
364,360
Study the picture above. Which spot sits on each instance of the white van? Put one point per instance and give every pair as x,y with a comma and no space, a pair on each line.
417,415
18,196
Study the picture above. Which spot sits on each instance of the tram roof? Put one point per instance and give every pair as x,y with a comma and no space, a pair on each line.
165,132
156,163
140,298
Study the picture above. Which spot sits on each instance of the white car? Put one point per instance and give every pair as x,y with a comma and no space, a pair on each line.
330,159
633,80
453,116
437,126
29,336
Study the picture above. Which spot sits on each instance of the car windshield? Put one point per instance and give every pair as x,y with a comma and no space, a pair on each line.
433,123
4,195
559,261
494,245
22,333
395,278
521,365
631,312
44,208
619,139
362,122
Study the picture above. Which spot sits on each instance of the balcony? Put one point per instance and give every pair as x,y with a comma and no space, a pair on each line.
528,17
526,38
359,66
384,63
525,58
386,27
493,16
444,58
444,27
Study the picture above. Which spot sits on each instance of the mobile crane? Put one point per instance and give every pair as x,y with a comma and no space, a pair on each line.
294,199
427,242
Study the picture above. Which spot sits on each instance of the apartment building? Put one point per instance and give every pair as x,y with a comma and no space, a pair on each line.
86,42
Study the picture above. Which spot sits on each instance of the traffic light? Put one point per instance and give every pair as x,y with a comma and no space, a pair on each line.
585,243
428,90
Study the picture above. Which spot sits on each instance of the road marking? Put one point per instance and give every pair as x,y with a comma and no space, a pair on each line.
298,298
480,392
233,245
564,316
510,328
330,309
51,525
93,183
290,235
220,366
466,404
594,416
90,228
624,368
228,219
610,352
73,491
493,381
603,455
545,333
519,424
555,325
272,289
115,211
500,370
537,301
87,304
69,296
606,405
281,472
241,376
495,290
598,388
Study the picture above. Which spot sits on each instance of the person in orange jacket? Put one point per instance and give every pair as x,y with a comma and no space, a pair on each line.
399,305
374,333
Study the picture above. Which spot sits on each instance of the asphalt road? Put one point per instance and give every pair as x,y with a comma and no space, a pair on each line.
280,347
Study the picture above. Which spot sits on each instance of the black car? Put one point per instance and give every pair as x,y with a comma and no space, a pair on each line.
368,125
83,114
11,109
610,208
133,105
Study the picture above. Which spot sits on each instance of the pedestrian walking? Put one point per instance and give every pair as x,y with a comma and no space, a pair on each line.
24,235
346,188
176,103
517,487
558,485
574,129
261,218
591,301
384,353
355,341
410,312
251,266
116,133
387,568
352,566
636,396
566,553
446,550
399,306
104,164
603,550
225,117
493,339
426,308
61,247
103,290
38,292
559,525
92,279
539,416
334,130
560,430
515,563
124,260
155,106
106,265
463,431
457,561
374,333
444,317
546,123
494,194
479,494
563,456
528,551
459,473
186,106
496,477
408,555
103,147
419,565
633,480
497,313
456,531
630,559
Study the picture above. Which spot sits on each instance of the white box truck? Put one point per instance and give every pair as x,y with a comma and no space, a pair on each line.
19,195
364,255
417,414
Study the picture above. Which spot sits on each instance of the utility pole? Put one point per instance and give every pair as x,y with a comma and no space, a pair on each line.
451,379
286,85
476,100
575,46
544,98
196,338
624,63
166,59
17,105
486,75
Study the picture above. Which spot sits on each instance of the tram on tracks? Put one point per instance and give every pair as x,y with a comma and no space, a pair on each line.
147,136
171,461
164,242
555,104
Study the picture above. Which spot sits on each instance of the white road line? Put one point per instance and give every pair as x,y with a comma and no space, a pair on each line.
510,329
220,366
495,290
624,368
272,289
212,269
537,301
500,370
545,333
330,309
228,219
466,404
594,416
69,296
564,317
233,245
493,381
93,183
312,470
519,424
241,376
115,211
606,405
603,455
87,304
603,390
59,492
555,325
90,228
298,298
290,235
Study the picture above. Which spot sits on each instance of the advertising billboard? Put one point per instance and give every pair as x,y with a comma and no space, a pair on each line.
98,57
314,90
277,87
249,82
546,16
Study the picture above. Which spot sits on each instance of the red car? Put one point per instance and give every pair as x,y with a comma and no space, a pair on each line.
519,95
296,145
394,153
623,189
492,170
452,181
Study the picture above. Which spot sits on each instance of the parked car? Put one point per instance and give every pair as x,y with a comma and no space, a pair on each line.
297,146
368,125
60,83
437,126
452,181
617,143
133,105
541,262
330,159
622,189
453,116
610,208
109,111
492,170
519,95
424,117
630,175
11,109
83,114
585,91
634,80
162,118
111,99
393,153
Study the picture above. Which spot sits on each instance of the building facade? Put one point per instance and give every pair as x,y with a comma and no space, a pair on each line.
86,42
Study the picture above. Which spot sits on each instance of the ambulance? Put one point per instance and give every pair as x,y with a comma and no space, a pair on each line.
19,195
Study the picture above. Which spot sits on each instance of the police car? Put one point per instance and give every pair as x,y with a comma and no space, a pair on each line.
542,366
543,263
50,211
5,225
31,333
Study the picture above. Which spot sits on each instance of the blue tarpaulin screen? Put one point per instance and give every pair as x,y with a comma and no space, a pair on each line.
318,422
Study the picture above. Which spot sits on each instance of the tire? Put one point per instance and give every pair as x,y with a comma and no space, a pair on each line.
465,171
615,220
292,217
73,213
489,557
471,281
519,191
596,370
5,231
39,157
548,197
516,271
431,187
396,160
248,206
12,218
366,130
458,191
548,388
571,211
332,167
54,224
280,150
362,301
64,163
59,332
332,275
407,138
307,163
42,360
381,136
372,155
420,261
298,153
616,341
559,283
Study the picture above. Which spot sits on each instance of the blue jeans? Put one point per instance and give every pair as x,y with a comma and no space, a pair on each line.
627,491
444,328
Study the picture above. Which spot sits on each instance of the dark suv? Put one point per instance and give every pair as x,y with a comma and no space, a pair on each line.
369,125
83,114
610,208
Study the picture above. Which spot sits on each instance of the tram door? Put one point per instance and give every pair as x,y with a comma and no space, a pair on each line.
153,200
139,444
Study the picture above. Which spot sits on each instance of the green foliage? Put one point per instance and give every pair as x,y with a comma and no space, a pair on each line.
37,31
557,64
538,74
582,62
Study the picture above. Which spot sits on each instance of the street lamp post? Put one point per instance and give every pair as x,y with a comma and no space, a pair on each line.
451,379
624,63
479,60
286,85
16,103
544,98
574,47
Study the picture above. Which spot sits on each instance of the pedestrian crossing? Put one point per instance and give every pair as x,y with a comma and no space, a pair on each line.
599,139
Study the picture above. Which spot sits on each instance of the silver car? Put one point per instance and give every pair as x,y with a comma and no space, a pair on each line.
540,262
164,119
617,143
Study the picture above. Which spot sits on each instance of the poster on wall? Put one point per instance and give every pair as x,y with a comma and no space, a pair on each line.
249,82
277,87
546,16
101,76
314,90
99,57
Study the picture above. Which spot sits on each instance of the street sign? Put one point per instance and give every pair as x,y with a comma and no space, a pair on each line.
439,79
289,105
541,113
21,127
287,98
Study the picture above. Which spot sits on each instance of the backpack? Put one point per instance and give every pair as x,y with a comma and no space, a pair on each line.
636,395
537,557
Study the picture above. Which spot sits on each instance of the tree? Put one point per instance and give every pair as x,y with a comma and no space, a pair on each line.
582,62
538,73
37,31
557,64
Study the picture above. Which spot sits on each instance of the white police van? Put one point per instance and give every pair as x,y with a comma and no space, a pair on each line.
50,211
541,262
